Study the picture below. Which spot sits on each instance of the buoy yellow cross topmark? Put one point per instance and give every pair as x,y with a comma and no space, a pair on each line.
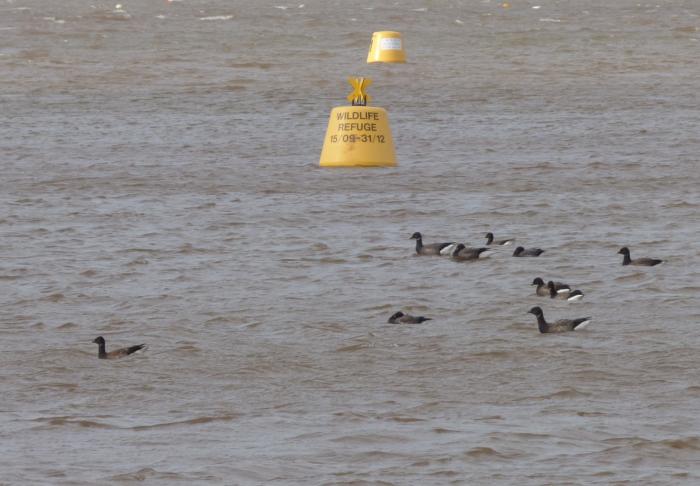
358,97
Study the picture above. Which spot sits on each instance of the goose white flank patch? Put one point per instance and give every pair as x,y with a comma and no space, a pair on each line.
583,324
448,250
574,296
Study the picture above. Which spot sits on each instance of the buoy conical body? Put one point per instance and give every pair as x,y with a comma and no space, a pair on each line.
358,136
386,46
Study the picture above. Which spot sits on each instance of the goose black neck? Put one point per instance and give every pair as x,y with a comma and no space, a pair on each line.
489,238
626,260
542,324
102,352
419,244
552,291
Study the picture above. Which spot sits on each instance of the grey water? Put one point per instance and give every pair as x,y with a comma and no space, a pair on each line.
160,184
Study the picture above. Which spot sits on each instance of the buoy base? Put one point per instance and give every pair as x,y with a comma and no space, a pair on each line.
358,136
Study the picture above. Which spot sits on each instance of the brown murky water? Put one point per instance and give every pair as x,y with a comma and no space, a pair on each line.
160,184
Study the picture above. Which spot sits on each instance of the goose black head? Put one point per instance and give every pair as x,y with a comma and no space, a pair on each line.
538,281
624,251
396,315
99,340
518,251
459,247
537,311
416,236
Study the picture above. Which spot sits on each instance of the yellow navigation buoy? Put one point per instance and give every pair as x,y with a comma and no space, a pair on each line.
386,46
358,135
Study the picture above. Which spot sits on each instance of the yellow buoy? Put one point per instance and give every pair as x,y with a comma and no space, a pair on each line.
386,46
358,135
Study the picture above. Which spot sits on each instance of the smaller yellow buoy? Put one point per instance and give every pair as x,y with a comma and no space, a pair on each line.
386,46
358,135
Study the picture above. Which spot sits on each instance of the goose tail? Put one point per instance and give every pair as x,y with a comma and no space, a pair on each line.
137,349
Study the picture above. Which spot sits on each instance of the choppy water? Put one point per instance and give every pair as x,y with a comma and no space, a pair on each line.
160,184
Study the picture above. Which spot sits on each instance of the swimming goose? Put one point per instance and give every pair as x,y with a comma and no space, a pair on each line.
503,242
530,252
401,318
463,253
564,294
543,289
646,262
561,325
431,249
117,353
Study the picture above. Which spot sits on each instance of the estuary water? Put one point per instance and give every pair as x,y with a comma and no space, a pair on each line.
159,184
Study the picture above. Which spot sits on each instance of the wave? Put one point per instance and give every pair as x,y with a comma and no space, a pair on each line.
217,17
194,421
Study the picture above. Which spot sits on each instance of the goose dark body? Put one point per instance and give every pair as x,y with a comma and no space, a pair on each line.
503,242
530,252
557,294
117,353
564,294
401,318
562,325
430,249
645,262
543,289
461,252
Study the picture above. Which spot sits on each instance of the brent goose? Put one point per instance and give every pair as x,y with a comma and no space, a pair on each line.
117,353
543,289
503,242
401,318
566,294
461,252
646,262
431,249
561,325
530,252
